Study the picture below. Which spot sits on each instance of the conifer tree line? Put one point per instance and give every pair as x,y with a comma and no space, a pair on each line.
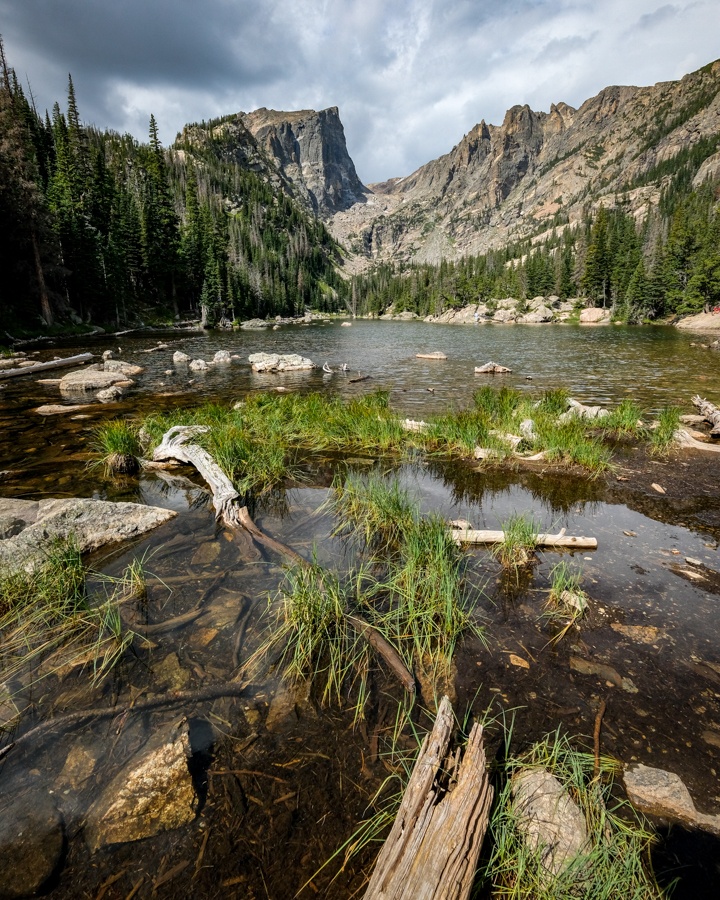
666,265
99,228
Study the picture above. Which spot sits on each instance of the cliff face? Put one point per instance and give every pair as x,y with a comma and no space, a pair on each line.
309,151
501,183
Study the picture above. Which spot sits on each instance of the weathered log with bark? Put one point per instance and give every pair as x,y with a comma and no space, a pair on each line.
473,536
432,850
710,412
683,438
43,367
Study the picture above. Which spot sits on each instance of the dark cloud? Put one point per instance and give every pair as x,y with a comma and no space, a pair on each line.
409,78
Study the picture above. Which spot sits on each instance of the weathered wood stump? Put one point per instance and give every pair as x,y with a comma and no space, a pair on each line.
710,412
432,850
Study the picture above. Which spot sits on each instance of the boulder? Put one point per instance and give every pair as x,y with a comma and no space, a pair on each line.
111,394
548,818
152,793
54,409
222,356
91,378
92,523
254,323
491,368
504,316
595,316
660,793
117,365
107,354
198,365
180,357
32,843
537,316
279,362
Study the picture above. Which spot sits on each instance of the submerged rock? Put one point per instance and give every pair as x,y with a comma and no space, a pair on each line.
111,394
548,818
153,793
92,523
32,843
661,793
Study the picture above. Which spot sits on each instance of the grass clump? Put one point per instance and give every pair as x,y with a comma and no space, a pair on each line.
567,602
51,622
519,541
116,446
625,420
615,863
662,437
375,511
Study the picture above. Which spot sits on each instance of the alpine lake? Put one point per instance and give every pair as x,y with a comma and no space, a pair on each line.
283,781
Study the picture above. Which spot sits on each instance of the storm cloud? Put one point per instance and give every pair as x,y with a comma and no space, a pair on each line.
409,78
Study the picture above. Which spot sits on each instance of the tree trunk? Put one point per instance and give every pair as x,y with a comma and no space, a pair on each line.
472,536
43,367
710,412
45,306
432,850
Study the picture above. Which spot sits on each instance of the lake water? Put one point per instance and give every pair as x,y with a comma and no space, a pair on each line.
311,775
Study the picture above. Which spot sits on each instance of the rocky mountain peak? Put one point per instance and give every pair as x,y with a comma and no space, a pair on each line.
308,147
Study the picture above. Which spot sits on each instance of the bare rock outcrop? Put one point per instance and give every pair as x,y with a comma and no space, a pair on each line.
661,793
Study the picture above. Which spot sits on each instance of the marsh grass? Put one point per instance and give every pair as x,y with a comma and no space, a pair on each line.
616,864
625,420
319,644
50,622
519,542
662,437
116,446
372,510
567,602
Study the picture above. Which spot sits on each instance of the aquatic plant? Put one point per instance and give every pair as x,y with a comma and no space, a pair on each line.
372,510
519,541
615,863
662,437
116,445
50,621
625,419
566,602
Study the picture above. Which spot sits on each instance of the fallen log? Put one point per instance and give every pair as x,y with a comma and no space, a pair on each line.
710,412
43,367
437,354
432,850
683,438
473,536
385,649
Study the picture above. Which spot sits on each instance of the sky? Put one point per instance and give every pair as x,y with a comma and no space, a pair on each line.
410,77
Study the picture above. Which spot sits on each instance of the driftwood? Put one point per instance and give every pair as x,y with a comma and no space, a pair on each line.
683,438
473,536
432,850
437,354
357,378
43,367
176,444
710,412
491,368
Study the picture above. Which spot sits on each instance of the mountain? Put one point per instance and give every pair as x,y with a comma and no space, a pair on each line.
302,151
541,170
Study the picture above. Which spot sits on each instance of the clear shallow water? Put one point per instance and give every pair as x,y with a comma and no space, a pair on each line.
630,579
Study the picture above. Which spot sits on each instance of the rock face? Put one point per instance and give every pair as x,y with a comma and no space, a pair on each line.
502,182
661,793
31,844
152,793
279,362
32,525
309,150
548,818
